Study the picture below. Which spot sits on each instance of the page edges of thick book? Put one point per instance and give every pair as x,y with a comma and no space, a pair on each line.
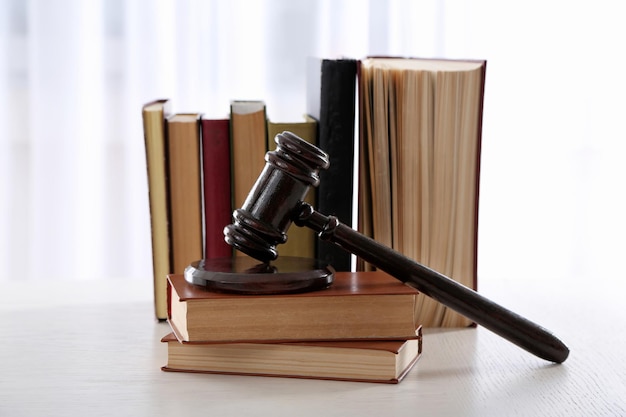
474,66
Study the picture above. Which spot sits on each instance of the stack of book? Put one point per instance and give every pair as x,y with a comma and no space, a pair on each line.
362,328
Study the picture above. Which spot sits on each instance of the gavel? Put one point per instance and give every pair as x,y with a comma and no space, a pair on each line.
277,200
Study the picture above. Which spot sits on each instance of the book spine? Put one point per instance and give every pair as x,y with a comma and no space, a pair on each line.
336,117
155,130
185,190
216,184
248,141
483,76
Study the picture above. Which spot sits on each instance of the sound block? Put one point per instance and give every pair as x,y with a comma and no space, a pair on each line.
245,275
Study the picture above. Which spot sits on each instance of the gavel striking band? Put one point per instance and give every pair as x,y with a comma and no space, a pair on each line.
276,200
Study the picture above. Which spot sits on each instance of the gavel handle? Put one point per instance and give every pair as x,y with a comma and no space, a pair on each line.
505,323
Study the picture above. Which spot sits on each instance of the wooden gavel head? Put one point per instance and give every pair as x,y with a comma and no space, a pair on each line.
263,220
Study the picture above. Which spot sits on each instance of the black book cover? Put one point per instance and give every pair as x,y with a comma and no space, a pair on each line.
331,100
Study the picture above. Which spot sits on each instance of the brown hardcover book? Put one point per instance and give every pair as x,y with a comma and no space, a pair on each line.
420,136
185,189
301,241
154,115
358,305
363,361
248,131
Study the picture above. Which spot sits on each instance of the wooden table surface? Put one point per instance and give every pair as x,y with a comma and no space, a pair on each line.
92,348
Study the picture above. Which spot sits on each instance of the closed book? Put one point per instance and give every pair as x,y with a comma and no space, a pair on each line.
420,136
154,116
185,190
301,241
331,100
362,361
248,137
358,305
216,183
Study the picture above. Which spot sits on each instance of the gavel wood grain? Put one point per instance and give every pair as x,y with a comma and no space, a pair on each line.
276,200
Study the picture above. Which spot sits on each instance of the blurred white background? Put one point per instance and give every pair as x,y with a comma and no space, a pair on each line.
74,75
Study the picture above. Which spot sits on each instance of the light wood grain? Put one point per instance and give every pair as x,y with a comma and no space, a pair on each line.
98,357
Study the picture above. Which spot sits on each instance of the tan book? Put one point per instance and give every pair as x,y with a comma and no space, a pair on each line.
301,241
363,361
358,305
248,131
420,136
154,115
185,189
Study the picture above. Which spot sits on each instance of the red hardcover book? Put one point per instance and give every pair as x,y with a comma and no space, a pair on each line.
216,172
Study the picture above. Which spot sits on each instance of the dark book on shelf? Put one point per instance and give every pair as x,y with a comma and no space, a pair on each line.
331,100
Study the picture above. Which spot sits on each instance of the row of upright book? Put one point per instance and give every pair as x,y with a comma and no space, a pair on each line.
417,147
200,169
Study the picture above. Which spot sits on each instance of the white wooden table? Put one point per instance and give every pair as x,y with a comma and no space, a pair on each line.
90,350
